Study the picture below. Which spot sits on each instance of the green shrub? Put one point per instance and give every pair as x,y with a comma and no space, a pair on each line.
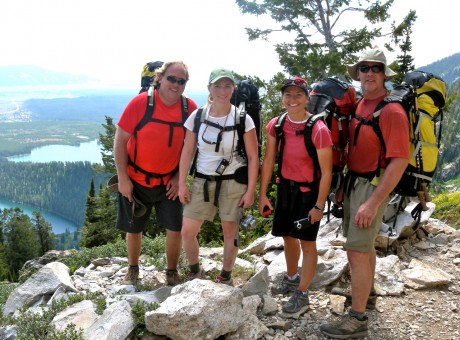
447,209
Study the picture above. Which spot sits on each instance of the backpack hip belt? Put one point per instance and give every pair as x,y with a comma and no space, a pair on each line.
212,178
148,174
352,176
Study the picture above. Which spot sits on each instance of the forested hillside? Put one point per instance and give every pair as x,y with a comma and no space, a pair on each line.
58,187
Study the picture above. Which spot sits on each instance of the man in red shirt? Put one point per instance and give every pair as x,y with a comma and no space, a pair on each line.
147,162
373,172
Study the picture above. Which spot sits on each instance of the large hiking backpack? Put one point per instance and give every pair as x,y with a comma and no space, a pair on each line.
422,95
333,100
247,99
148,74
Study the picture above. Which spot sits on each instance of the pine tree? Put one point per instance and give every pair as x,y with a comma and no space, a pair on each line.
45,234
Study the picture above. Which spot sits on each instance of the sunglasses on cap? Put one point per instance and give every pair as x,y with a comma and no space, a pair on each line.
172,79
294,81
375,68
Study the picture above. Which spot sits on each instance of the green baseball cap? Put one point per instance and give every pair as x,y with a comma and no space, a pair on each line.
220,73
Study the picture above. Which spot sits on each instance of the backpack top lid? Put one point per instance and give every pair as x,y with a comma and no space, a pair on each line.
329,93
246,92
429,84
148,73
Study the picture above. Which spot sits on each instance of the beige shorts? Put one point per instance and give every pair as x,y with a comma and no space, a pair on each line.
229,198
361,239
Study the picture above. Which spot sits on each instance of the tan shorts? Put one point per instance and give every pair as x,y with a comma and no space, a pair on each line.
360,239
229,198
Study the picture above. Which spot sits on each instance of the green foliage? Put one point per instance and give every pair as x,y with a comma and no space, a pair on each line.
448,162
447,208
319,47
138,312
31,325
100,219
106,139
58,187
19,241
5,290
44,232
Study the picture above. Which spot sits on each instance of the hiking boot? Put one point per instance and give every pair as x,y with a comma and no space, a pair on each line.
199,275
347,328
132,276
172,277
296,302
286,285
220,279
371,300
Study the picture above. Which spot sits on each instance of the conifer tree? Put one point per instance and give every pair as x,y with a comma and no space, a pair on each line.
44,232
320,46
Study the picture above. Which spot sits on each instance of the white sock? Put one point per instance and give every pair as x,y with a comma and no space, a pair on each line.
293,277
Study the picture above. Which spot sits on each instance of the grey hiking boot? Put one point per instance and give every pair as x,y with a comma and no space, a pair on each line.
286,285
220,279
371,300
296,302
199,275
347,328
172,277
132,276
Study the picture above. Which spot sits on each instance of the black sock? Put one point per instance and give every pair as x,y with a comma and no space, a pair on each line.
225,274
356,315
195,268
134,266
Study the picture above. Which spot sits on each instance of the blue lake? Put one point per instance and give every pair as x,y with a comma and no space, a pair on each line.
58,224
87,151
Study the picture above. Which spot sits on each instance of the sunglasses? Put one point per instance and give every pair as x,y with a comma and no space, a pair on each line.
374,68
295,81
172,79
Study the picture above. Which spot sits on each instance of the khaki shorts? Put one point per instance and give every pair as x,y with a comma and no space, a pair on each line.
360,239
229,198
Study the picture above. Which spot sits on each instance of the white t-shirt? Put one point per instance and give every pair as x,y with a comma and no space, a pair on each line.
208,159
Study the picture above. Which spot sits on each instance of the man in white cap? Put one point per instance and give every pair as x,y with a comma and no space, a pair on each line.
375,163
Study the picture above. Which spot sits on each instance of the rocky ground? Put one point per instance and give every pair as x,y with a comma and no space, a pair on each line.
416,314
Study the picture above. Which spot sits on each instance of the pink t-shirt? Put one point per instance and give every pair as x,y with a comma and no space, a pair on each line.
297,164
366,152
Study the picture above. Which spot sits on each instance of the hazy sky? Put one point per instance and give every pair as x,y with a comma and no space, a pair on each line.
113,39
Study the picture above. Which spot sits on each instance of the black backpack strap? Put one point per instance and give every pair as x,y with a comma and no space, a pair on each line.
199,119
308,132
375,123
280,139
149,110
240,126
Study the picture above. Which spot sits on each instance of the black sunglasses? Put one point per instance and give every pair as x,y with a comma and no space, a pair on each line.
172,79
375,68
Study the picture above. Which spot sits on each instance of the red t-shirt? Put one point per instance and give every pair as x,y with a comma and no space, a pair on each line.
364,154
152,151
297,164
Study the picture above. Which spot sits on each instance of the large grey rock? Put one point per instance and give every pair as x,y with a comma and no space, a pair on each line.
388,279
257,284
115,323
213,310
81,314
421,275
39,287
